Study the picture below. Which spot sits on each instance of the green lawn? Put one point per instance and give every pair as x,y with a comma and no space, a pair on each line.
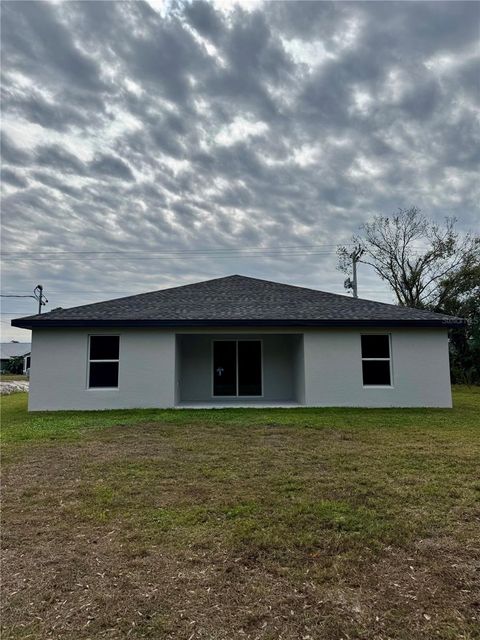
242,523
7,377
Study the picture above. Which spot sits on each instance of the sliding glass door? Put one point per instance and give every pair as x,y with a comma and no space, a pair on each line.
237,368
224,368
249,367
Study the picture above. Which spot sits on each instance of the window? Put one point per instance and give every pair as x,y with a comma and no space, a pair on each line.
103,361
376,362
237,368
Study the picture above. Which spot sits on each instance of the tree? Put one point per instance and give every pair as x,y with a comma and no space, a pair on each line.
413,255
460,296
428,266
14,365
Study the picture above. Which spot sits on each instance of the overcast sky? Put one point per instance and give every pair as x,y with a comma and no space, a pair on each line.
223,137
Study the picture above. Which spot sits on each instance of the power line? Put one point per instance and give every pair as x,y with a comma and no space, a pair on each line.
181,251
228,255
14,295
68,294
307,248
162,255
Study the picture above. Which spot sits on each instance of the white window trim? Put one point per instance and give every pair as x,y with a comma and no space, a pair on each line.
89,361
389,360
236,340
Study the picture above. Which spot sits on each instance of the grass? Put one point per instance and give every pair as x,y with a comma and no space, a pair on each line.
242,523
9,377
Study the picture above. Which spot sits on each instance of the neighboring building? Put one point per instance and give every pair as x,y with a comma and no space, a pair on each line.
238,341
13,350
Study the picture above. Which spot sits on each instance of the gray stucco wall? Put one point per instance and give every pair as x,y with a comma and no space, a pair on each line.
299,368
194,375
421,375
321,368
58,375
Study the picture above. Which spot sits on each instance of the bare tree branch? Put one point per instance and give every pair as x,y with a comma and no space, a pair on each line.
413,255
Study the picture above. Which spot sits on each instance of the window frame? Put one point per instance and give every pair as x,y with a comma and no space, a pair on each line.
389,360
89,360
236,340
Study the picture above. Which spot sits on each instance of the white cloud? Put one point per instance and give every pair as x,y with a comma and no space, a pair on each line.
238,130
311,54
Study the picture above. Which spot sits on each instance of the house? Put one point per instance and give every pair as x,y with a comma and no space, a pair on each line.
238,341
14,350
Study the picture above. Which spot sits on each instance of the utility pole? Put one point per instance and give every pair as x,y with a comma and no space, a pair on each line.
354,278
355,256
352,283
37,295
38,291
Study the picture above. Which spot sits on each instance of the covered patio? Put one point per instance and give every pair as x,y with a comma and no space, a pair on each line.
248,370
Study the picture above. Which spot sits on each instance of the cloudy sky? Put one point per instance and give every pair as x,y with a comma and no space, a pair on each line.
152,144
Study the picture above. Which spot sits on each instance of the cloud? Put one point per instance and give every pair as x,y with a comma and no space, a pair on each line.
12,178
109,165
11,154
50,180
32,106
59,159
252,129
36,41
202,16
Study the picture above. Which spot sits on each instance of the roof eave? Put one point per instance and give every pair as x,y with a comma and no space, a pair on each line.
36,323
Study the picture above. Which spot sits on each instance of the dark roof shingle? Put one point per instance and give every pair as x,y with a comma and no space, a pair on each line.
237,300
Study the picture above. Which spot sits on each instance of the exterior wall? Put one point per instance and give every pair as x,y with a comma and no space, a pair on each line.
58,374
315,367
194,376
299,369
420,368
177,371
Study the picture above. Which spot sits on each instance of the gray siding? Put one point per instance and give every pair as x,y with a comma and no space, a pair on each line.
299,369
322,367
421,374
58,375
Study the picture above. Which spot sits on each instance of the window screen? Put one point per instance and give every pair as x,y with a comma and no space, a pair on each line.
103,361
376,364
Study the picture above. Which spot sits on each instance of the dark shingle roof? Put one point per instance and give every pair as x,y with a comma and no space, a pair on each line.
237,300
